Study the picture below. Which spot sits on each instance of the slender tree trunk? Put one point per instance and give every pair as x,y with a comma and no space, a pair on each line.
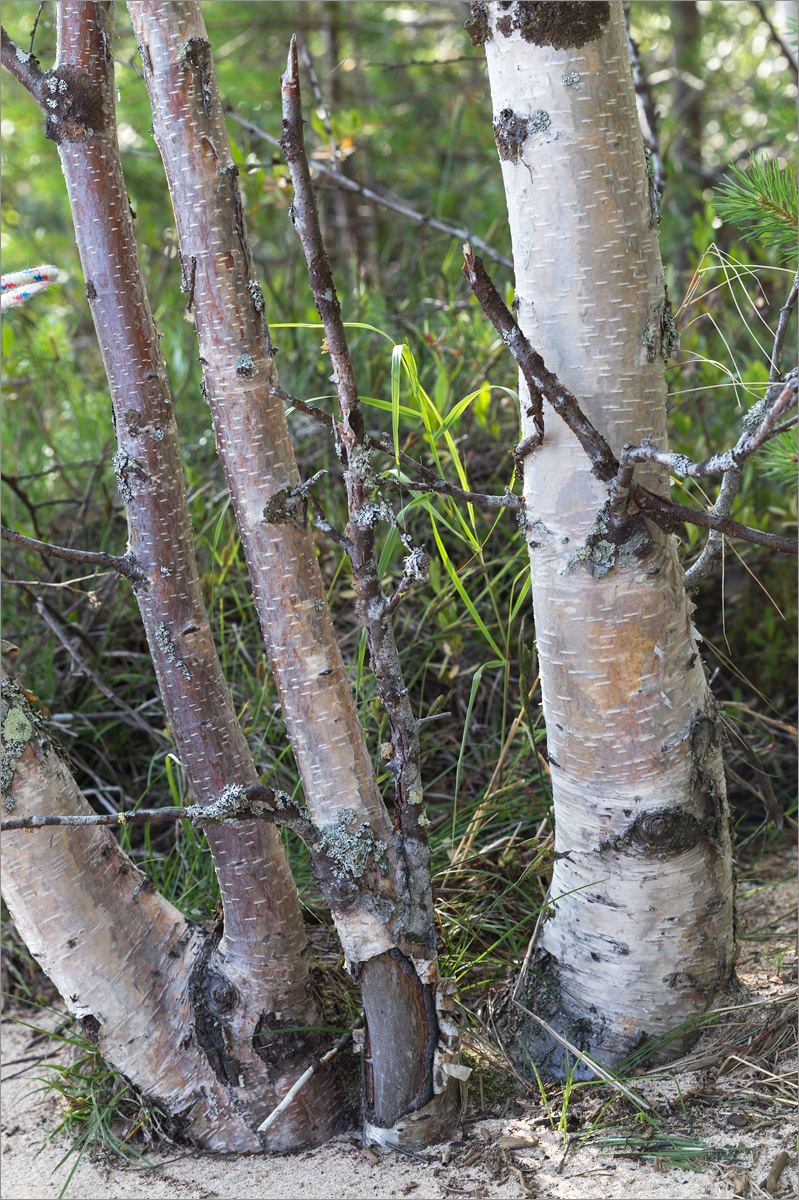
385,924
686,151
255,980
642,937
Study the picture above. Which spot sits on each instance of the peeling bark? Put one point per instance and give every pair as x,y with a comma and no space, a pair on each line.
121,955
262,952
642,936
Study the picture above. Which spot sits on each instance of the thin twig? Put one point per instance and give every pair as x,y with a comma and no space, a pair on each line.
374,610
234,804
23,66
123,565
35,26
321,108
343,181
303,1079
778,39
731,481
775,372
540,381
670,516
717,464
384,445
143,816
108,692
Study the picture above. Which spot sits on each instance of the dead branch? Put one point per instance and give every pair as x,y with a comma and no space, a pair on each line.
778,39
766,414
663,512
374,610
775,372
731,481
123,565
541,383
670,516
23,65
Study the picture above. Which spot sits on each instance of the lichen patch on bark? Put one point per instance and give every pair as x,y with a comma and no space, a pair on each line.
660,333
478,29
565,24
72,104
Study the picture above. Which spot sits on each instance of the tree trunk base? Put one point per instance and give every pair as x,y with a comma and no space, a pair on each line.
418,1129
532,1048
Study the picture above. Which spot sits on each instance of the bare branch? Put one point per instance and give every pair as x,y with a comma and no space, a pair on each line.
778,39
731,482
663,512
235,803
24,66
143,816
540,381
670,516
775,373
321,522
343,181
717,464
374,610
35,26
124,565
321,107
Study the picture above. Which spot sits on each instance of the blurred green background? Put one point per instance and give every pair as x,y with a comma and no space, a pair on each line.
410,113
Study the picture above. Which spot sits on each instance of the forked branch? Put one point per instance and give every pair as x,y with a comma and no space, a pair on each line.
623,490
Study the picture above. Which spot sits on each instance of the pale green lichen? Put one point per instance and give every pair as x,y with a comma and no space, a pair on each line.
167,648
607,545
654,195
18,729
245,366
352,846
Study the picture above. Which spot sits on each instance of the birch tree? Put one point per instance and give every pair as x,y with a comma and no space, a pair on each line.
254,981
376,880
642,934
380,889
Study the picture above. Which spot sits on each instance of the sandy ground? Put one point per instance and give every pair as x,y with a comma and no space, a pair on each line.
749,1110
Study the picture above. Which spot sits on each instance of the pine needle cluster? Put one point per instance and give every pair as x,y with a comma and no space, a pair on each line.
762,200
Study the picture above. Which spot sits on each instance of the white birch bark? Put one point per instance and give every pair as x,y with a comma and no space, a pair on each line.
643,935
125,960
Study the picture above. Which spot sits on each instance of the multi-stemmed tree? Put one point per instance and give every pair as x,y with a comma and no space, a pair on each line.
246,996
